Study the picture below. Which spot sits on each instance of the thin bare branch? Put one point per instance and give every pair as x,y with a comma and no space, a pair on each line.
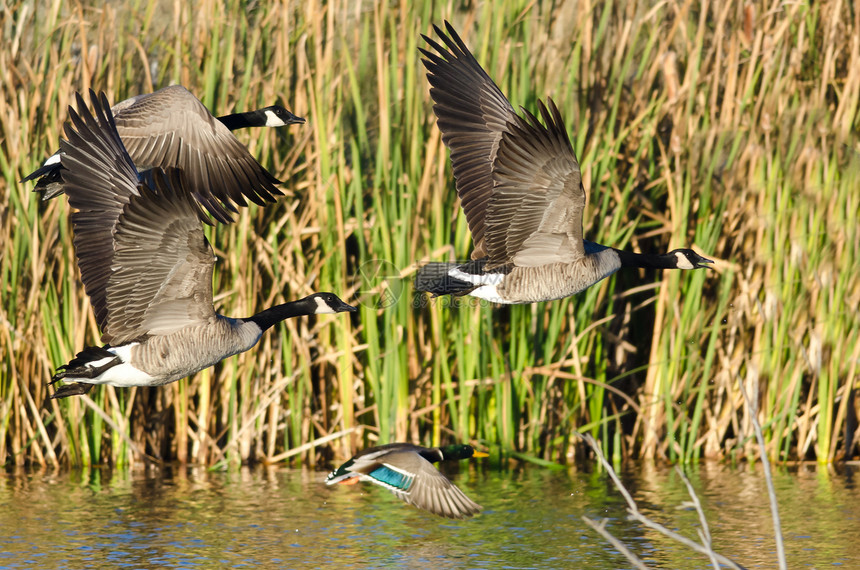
768,478
600,527
636,515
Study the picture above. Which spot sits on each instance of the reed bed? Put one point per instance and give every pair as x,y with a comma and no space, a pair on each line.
729,126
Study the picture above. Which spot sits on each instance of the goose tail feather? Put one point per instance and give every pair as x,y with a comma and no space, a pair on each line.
87,364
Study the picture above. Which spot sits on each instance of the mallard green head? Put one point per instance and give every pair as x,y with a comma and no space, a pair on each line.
460,451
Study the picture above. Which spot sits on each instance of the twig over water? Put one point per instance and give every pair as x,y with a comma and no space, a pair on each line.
636,515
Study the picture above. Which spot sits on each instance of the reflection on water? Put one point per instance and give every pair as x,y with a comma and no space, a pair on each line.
531,519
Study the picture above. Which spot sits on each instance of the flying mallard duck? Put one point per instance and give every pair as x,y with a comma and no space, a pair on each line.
407,471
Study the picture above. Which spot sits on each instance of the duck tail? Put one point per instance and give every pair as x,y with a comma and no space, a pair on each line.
434,278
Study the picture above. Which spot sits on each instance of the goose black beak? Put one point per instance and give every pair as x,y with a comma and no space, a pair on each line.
702,263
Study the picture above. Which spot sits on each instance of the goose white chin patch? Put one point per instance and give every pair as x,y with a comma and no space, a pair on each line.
683,262
322,307
272,120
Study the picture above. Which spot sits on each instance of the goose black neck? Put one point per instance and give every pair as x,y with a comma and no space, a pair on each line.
272,316
243,120
648,260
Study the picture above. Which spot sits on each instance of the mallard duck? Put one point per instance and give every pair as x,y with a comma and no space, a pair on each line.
407,471
147,267
521,190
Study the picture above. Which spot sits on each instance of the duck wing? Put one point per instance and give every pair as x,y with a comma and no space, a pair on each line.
427,487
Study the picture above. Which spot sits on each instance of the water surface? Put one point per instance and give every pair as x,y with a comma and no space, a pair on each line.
532,518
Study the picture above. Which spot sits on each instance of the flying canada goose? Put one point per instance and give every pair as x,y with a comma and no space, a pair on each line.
147,267
407,471
171,127
521,190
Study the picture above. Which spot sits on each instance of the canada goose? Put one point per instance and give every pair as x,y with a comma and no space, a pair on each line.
171,127
147,267
407,471
521,191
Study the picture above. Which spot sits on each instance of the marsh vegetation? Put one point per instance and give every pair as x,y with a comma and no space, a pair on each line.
729,127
